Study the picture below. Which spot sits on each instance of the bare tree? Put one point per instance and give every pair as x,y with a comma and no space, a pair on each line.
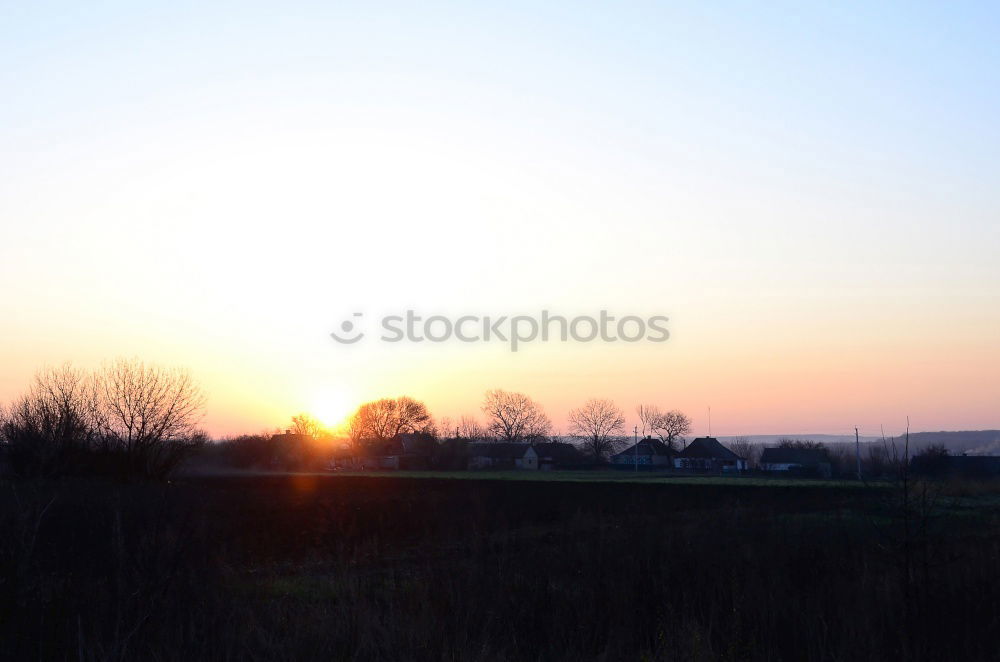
649,418
908,539
384,419
514,417
445,428
307,426
746,449
808,444
469,428
131,418
47,429
598,421
146,413
672,426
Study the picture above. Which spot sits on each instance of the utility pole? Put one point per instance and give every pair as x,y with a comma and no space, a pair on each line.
857,451
635,447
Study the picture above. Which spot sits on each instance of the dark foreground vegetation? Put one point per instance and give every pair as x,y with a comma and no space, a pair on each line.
359,568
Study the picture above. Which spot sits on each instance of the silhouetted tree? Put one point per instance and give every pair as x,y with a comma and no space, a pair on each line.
672,426
384,419
649,418
802,443
514,417
145,414
244,451
47,430
806,444
470,429
598,421
308,426
127,418
445,428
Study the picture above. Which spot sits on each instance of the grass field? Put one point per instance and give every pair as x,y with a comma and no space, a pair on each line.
586,477
493,566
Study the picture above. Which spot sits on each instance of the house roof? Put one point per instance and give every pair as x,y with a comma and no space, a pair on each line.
710,448
794,456
416,443
505,450
648,446
558,452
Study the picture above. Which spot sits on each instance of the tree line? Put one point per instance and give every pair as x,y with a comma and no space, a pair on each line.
598,429
509,417
131,419
127,419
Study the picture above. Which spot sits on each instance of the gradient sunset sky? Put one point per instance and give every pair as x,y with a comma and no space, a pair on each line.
810,194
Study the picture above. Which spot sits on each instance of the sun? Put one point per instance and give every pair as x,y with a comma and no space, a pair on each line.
330,406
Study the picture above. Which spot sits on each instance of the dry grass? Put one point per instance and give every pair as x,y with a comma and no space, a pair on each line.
313,567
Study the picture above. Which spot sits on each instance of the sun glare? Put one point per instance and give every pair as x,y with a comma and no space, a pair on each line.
331,407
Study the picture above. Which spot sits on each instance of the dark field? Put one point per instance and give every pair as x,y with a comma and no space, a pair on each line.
368,568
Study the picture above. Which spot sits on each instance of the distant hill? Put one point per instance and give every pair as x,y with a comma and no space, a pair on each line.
773,439
970,442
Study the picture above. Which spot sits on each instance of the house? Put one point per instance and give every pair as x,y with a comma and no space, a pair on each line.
648,453
707,454
557,455
383,454
502,455
404,451
796,460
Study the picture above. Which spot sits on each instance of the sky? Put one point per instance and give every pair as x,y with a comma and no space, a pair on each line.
807,192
